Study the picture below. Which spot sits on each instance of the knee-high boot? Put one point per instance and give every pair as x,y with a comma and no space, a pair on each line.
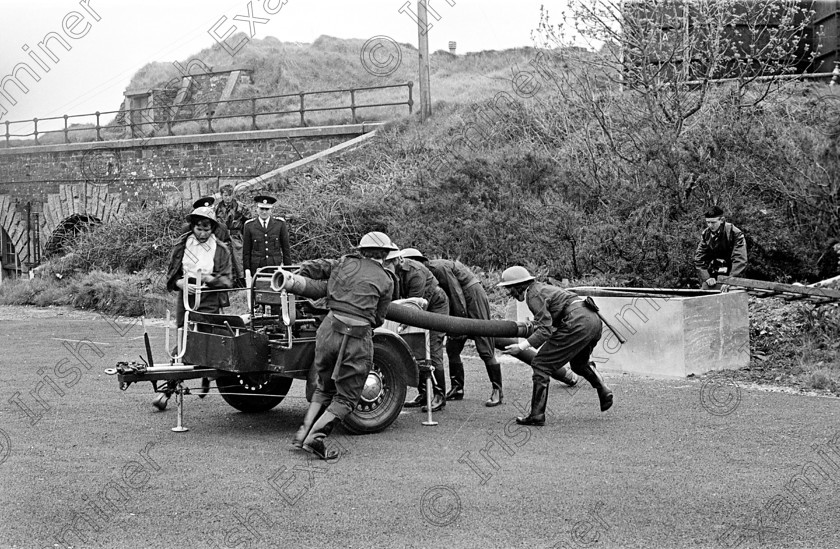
439,390
494,372
593,376
315,440
456,377
312,414
539,401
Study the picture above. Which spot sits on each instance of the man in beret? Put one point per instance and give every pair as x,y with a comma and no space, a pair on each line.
722,250
265,239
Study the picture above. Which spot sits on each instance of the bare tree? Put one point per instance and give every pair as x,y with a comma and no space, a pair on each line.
671,51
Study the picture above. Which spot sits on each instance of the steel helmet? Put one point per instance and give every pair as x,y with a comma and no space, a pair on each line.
515,275
204,212
412,253
377,240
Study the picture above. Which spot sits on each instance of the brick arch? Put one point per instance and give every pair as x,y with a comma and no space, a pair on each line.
14,223
79,200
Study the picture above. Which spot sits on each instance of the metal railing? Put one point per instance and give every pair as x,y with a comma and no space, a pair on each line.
159,120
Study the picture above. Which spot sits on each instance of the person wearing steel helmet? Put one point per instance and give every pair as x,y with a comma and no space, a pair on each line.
359,290
206,261
567,330
467,299
415,280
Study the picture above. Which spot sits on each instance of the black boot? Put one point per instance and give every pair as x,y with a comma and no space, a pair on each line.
456,377
494,372
590,374
438,391
315,442
565,375
539,400
420,399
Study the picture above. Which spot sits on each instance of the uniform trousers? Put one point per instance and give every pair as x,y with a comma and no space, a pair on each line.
342,394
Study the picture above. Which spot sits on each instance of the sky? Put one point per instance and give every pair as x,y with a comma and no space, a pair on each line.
110,40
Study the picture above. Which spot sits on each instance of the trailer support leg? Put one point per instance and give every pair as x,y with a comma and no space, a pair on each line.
179,399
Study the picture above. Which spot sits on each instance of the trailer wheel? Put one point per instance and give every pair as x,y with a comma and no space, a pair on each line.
383,395
253,393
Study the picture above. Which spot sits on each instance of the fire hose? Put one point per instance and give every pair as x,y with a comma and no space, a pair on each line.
316,289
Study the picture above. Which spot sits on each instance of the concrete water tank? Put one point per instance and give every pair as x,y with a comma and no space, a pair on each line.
670,333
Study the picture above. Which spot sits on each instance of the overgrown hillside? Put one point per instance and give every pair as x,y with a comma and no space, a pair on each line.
331,63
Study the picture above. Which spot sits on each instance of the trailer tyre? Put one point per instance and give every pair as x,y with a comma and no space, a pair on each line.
384,393
253,393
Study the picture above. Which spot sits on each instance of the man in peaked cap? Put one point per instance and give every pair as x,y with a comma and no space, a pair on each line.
265,239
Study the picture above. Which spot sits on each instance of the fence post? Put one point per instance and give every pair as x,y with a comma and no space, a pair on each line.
209,119
66,139
302,110
353,104
254,113
410,100
98,127
35,120
7,135
131,122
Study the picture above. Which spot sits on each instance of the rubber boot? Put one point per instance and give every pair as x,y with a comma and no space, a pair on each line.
312,414
593,376
494,372
420,399
315,442
438,391
456,377
565,375
539,401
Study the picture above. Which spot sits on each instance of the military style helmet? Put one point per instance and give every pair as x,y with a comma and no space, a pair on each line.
515,275
203,212
377,240
412,253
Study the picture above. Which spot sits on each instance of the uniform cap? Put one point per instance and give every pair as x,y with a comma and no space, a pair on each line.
412,253
202,212
515,275
264,201
204,202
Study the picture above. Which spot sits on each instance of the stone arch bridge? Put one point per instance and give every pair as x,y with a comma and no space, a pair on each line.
50,192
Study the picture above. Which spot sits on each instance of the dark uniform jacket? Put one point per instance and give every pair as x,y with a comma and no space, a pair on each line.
550,306
356,286
265,247
234,215
455,278
415,280
726,245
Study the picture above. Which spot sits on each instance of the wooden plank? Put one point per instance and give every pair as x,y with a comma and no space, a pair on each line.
779,287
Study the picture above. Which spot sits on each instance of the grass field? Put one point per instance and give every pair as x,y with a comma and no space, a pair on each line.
100,468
